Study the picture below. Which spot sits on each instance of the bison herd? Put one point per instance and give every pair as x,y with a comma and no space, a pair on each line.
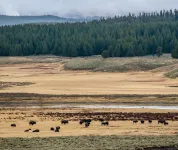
57,129
87,123
150,121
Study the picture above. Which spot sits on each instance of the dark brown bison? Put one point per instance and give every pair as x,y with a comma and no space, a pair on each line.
58,128
135,121
161,121
150,121
101,119
37,130
81,122
27,130
105,123
32,122
52,129
85,121
64,121
87,124
166,123
13,125
142,121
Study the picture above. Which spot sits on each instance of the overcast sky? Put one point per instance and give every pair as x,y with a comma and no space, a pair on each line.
66,8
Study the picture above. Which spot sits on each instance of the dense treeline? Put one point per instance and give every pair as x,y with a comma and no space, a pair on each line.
118,37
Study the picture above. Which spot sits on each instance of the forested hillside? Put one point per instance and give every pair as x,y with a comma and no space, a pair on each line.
118,37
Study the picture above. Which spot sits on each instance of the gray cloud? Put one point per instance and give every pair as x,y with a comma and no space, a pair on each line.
83,7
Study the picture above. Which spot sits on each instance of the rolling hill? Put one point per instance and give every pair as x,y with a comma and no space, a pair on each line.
14,20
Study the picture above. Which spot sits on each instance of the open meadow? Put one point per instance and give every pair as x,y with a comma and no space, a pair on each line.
48,89
82,76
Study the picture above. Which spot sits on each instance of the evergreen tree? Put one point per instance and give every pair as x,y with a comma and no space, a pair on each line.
159,52
175,52
105,54
120,36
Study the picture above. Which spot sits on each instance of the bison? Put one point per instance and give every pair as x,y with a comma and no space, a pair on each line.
161,121
135,121
58,128
105,123
32,122
166,123
142,121
64,121
52,129
87,124
85,121
150,121
101,119
13,125
27,130
37,130
81,122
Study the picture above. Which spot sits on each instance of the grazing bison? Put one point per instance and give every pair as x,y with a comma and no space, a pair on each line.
101,119
37,130
135,121
142,121
81,121
161,121
85,121
52,129
13,125
105,123
32,122
64,121
87,124
58,128
27,130
166,123
150,121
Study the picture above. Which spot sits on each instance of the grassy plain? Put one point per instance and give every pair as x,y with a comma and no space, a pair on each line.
144,75
50,80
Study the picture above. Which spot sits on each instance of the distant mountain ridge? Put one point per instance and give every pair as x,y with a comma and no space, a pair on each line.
15,20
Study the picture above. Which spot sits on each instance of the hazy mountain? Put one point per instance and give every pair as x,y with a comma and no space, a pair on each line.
14,20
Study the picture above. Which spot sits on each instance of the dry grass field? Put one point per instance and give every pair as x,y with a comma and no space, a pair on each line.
49,76
31,86
49,117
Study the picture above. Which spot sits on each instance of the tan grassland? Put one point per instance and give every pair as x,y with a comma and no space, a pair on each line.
21,117
51,78
46,75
